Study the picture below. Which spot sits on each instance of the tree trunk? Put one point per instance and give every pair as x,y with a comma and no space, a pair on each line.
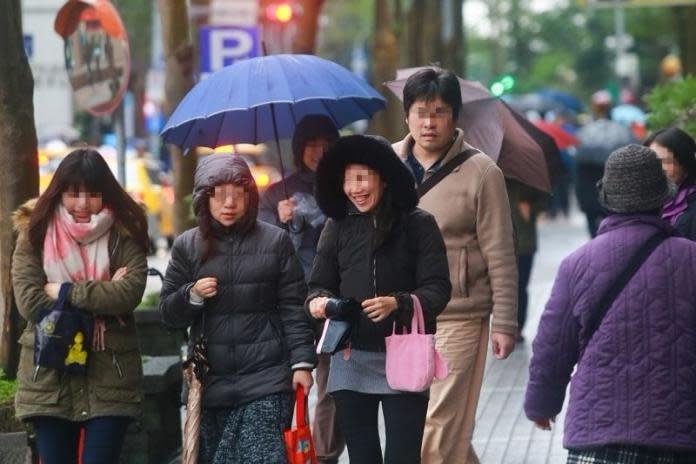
454,44
19,176
305,40
414,33
686,33
179,62
386,59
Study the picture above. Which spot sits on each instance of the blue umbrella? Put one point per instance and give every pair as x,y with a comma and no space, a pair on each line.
259,99
565,99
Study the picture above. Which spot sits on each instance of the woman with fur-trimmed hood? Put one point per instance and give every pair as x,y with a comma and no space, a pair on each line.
377,248
86,230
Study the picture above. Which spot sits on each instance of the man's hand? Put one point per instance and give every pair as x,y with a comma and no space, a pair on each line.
304,378
378,309
205,287
544,424
317,307
503,344
52,290
285,209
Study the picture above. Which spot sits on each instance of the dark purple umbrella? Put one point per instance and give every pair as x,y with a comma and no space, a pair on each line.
520,149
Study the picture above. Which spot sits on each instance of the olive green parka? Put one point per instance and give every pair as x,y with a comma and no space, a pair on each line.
113,383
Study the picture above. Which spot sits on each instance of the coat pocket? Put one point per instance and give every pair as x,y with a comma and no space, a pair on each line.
117,395
34,386
463,273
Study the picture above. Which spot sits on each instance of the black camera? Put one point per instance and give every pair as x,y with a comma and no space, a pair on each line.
342,309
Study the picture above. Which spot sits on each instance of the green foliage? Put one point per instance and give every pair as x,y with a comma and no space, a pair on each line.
151,300
673,104
8,388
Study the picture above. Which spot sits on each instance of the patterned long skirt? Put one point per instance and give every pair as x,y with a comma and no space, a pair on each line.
621,454
249,434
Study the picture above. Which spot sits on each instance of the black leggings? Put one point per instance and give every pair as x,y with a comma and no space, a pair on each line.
404,420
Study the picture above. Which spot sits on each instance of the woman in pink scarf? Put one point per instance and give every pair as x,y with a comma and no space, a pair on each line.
677,151
86,230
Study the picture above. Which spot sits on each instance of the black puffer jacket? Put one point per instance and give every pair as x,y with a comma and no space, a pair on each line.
255,325
686,223
396,251
412,259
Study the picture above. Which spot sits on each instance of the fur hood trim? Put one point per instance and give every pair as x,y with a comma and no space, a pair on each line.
375,152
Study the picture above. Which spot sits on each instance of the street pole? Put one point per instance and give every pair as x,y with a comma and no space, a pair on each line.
120,128
620,34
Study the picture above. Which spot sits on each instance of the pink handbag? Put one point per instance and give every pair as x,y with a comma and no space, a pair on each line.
412,359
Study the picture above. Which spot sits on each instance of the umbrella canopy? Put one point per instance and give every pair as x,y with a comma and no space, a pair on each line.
599,138
246,101
566,100
563,138
532,102
628,114
522,151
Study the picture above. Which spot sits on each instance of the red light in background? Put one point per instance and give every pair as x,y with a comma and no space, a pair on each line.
281,12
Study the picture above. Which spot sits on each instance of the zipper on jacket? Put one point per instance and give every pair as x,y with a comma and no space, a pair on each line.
374,255
116,364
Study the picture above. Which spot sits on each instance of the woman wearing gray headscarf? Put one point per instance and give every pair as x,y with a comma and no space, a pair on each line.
237,283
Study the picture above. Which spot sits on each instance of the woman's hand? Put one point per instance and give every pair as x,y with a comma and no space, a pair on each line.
317,307
544,424
205,287
52,290
304,378
119,274
285,210
378,309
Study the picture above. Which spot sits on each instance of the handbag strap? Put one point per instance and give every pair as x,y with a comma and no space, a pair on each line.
620,282
300,407
441,173
417,322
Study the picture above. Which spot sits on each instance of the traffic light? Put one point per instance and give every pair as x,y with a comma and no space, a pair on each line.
505,84
281,12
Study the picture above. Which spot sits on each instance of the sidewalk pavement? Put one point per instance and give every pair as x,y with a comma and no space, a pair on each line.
503,435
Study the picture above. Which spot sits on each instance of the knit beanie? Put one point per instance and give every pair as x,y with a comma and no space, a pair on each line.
311,127
634,182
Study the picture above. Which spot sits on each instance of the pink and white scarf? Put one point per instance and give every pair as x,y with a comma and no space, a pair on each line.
76,251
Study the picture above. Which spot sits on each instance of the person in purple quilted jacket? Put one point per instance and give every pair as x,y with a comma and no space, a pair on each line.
633,392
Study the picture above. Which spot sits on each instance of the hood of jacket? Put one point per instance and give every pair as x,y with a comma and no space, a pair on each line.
373,152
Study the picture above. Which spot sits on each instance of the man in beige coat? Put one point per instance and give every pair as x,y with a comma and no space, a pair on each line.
471,207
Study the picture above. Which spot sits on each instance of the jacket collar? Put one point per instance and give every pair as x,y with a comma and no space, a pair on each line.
618,221
457,147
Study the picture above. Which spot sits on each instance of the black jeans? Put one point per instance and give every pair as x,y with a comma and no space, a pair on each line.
404,420
58,440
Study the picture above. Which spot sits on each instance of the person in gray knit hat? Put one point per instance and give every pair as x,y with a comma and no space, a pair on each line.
237,283
628,356
633,181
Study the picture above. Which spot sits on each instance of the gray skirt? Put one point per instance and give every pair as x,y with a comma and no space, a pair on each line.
248,434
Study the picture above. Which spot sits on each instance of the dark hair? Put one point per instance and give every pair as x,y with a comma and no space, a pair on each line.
311,127
681,144
85,168
429,84
238,173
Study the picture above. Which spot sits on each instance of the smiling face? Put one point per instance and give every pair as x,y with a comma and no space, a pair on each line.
313,152
228,203
363,186
81,204
431,125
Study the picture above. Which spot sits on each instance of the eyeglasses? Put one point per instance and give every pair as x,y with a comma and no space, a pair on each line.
439,113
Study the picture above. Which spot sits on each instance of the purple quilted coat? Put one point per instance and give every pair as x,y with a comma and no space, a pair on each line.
636,382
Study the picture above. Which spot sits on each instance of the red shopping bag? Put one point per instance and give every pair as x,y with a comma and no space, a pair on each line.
298,440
